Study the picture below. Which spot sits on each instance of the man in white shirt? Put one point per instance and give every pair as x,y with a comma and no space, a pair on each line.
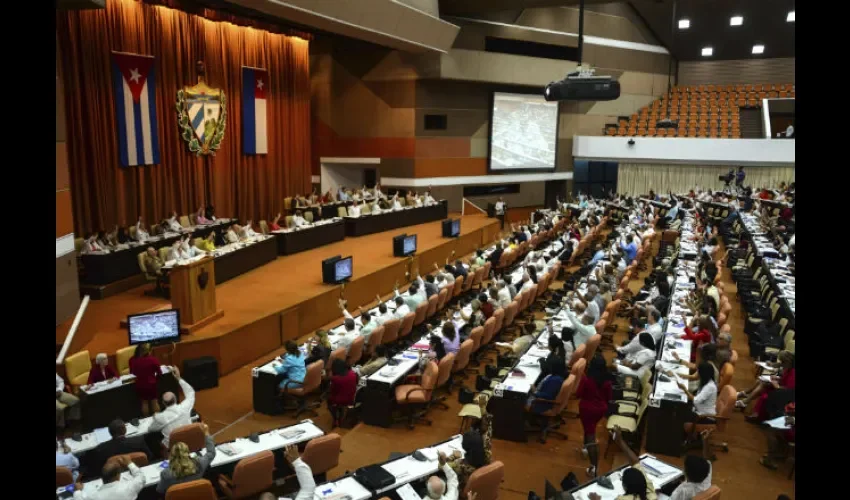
342,195
444,490
376,206
396,204
306,482
350,333
499,207
176,251
188,250
65,401
583,327
141,234
174,224
383,315
114,487
175,414
697,478
590,305
354,210
401,309
653,327
429,200
298,219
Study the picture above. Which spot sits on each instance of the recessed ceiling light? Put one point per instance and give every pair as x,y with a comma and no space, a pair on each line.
790,17
758,49
736,20
684,24
707,51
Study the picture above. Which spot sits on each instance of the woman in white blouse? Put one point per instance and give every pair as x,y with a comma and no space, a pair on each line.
705,399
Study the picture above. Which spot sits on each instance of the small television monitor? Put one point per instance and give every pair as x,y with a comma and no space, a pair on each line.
449,227
410,244
404,245
157,327
456,227
343,269
328,269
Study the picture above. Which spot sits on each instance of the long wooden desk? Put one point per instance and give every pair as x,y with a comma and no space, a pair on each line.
291,241
385,221
105,268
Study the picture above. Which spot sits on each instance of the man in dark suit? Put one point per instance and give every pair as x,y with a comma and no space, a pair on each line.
118,445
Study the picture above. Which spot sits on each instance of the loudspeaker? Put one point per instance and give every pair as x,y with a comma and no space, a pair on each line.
201,373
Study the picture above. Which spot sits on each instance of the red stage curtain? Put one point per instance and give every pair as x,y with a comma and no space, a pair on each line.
105,193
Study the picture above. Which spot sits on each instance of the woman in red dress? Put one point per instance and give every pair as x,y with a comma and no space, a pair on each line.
760,391
101,370
594,391
145,367
342,391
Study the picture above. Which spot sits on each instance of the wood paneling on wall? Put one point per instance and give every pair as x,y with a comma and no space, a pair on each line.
776,70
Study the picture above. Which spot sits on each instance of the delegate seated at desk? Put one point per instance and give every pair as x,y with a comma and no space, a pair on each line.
101,370
65,400
175,414
64,458
637,363
182,468
356,210
114,487
368,321
306,482
291,366
247,231
120,444
298,219
401,308
141,234
444,490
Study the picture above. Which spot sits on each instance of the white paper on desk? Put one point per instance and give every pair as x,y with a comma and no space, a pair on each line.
765,378
102,435
429,453
407,492
400,468
660,467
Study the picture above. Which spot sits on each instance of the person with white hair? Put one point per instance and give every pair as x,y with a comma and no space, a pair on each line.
444,490
175,414
101,370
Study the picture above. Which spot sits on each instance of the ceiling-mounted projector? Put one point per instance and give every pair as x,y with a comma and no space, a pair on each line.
583,86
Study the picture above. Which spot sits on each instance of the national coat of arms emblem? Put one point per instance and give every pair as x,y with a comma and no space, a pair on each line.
202,116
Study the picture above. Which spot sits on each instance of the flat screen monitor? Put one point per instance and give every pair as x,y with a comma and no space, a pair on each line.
157,327
523,132
328,269
451,228
409,245
343,269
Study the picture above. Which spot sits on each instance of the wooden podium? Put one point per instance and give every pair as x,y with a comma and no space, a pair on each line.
193,294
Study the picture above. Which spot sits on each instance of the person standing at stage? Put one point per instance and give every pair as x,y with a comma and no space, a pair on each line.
147,370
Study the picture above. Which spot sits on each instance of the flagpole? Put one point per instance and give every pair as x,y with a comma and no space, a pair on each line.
251,67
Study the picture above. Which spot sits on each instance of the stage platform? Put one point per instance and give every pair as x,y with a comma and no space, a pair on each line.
284,299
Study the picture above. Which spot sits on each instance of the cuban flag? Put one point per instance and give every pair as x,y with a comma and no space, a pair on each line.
135,107
255,83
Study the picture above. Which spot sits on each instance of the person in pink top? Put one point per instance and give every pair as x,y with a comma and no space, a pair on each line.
200,219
